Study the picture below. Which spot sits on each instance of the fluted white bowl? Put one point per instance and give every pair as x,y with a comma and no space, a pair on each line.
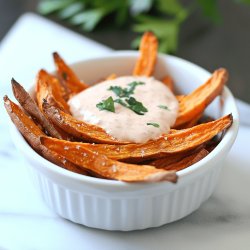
116,205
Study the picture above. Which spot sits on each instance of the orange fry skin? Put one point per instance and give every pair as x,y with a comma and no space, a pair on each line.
32,133
49,88
111,77
148,55
30,106
78,129
169,82
194,104
180,162
173,143
70,81
110,169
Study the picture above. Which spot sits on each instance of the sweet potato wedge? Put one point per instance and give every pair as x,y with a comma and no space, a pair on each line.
148,55
111,77
173,143
110,169
48,87
70,81
190,123
30,106
32,133
169,82
78,129
194,104
180,161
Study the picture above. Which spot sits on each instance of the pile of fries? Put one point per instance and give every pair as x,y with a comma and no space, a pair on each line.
50,129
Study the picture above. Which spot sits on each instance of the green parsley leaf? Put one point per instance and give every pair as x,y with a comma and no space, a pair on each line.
210,9
136,106
153,124
133,85
120,101
119,91
107,104
125,92
163,107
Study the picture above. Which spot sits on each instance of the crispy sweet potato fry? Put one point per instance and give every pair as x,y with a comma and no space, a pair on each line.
188,161
70,81
175,142
179,97
148,55
180,161
111,169
111,77
32,133
30,106
194,104
48,87
79,129
190,123
169,82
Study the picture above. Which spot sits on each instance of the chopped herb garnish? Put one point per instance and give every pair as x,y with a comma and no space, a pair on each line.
120,101
130,102
136,106
153,124
119,91
107,104
125,92
163,107
64,75
133,85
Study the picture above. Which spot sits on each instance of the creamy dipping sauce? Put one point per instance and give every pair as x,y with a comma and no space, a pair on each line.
124,124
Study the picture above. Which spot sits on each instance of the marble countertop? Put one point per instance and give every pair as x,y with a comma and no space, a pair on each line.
222,222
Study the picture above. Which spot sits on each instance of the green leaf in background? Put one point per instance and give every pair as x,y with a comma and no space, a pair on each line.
163,17
48,6
210,9
166,30
88,19
140,6
169,6
71,10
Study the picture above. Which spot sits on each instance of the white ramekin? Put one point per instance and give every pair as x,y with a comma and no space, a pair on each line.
115,205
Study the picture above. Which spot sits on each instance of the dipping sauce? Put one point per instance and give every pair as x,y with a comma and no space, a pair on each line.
129,108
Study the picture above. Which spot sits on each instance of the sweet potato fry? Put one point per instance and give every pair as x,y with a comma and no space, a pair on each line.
78,129
180,161
175,142
48,87
188,161
190,123
70,81
111,77
30,106
110,169
32,133
148,55
194,104
169,82
179,97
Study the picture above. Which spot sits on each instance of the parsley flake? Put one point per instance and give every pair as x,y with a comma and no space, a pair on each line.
136,106
163,107
125,92
107,104
153,124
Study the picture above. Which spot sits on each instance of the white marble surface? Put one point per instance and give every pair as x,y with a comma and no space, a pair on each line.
222,222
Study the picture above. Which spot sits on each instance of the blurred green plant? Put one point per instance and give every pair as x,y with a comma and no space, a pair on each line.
163,17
